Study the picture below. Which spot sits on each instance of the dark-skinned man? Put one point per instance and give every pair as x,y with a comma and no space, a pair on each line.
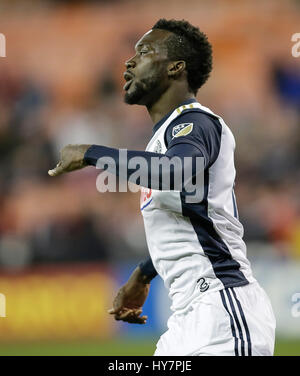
196,247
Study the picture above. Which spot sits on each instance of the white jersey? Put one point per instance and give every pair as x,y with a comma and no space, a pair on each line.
196,248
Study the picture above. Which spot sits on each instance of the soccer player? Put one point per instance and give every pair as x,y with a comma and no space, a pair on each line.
196,247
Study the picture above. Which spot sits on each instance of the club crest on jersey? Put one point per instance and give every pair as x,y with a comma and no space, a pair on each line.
182,129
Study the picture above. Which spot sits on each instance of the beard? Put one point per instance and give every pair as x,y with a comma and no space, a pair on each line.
144,91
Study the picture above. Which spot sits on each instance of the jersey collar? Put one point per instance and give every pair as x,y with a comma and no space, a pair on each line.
161,121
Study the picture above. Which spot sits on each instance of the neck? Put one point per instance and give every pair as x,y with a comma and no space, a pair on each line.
169,100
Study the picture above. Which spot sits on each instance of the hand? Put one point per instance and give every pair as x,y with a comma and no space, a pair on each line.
71,158
127,305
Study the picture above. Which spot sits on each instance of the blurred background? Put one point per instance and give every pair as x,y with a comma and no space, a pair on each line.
65,248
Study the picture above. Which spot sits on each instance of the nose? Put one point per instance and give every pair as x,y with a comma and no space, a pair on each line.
130,63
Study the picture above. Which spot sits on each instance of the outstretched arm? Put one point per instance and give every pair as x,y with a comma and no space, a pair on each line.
74,157
71,159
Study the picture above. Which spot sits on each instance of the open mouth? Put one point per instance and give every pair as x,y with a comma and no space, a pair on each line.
129,78
127,85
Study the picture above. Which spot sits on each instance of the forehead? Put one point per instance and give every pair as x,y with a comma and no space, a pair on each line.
154,37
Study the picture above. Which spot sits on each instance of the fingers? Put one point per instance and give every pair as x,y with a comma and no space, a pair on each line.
57,170
129,315
132,317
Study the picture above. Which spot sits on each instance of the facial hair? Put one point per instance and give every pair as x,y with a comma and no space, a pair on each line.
140,90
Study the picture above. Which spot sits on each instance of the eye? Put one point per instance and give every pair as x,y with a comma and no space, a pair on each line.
143,52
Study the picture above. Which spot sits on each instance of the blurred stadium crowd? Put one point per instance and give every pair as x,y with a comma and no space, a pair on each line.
61,83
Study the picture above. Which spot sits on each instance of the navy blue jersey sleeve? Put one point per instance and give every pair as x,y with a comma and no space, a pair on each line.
199,129
149,178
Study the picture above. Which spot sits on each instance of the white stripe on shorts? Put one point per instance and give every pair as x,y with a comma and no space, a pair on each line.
238,323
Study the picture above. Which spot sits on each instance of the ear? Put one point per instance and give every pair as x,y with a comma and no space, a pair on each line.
176,67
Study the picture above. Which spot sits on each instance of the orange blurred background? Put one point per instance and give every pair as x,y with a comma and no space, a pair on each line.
61,83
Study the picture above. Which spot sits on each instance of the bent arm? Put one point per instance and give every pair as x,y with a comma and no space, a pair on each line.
129,301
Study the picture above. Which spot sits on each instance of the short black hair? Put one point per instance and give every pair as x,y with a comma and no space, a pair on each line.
191,45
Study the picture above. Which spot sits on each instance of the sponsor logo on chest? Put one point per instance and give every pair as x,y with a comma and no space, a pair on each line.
146,197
